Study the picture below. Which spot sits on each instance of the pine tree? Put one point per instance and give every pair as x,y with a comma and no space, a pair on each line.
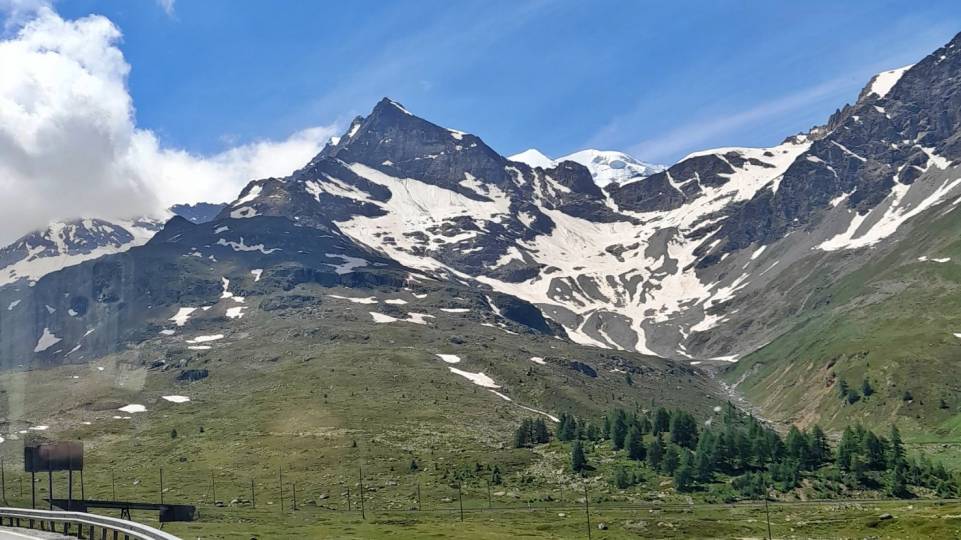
873,450
634,445
847,449
704,457
618,429
622,478
866,388
655,453
684,475
820,449
896,481
578,459
662,420
683,429
896,453
567,427
539,433
644,424
522,436
672,459
797,445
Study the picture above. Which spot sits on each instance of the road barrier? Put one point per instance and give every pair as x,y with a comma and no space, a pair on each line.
81,525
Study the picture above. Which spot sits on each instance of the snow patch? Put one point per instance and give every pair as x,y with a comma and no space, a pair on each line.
883,82
182,315
477,378
206,339
368,300
133,408
47,339
381,318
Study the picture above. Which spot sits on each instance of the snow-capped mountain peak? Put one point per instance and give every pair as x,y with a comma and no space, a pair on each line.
610,166
534,158
605,166
65,243
883,82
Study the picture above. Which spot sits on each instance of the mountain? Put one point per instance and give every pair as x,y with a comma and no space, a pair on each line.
201,212
534,158
605,166
729,254
67,243
610,167
713,258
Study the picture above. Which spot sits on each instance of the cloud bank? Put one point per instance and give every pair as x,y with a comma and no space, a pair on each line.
69,145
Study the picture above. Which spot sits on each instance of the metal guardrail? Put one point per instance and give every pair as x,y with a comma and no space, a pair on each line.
81,525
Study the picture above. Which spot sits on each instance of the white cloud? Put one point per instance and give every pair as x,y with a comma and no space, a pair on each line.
167,6
69,146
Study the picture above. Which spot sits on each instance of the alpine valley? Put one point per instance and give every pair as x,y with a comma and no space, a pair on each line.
412,292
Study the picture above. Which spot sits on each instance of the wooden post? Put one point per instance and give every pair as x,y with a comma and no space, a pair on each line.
348,498
113,482
253,497
418,495
362,510
490,504
294,493
460,500
281,469
213,487
161,485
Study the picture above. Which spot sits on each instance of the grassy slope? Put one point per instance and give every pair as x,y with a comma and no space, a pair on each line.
891,321
321,391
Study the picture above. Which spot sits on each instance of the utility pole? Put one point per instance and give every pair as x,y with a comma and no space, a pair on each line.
767,511
161,485
587,511
348,498
3,480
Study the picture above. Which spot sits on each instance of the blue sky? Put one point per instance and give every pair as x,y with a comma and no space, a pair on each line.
657,79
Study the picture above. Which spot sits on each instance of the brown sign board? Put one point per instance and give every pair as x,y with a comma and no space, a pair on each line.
54,456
